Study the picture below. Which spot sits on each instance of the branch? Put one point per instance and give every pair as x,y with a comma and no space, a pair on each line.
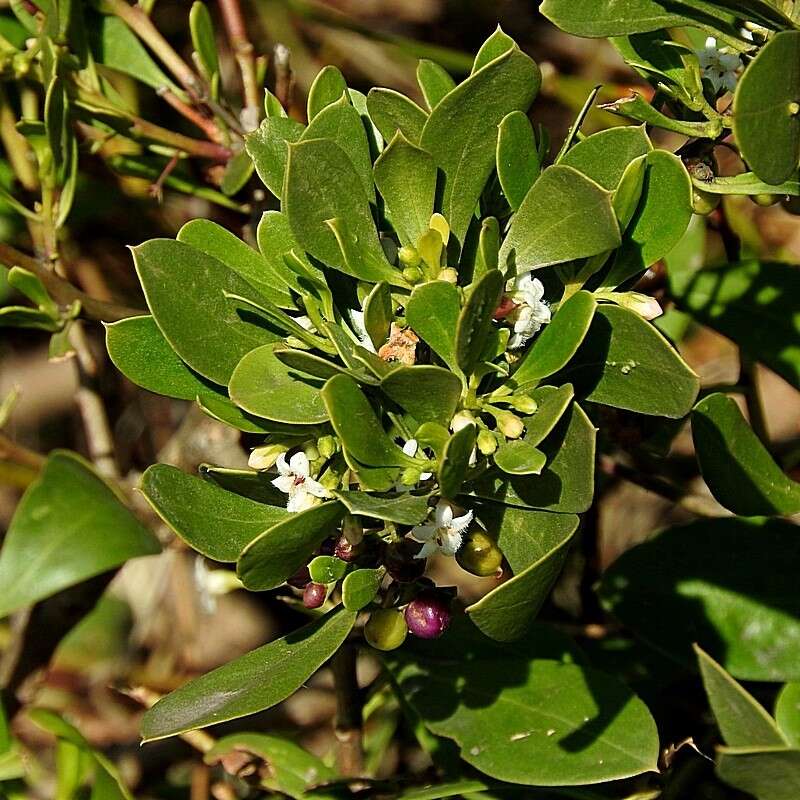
63,292
243,50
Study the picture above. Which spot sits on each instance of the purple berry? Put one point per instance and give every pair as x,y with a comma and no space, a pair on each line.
314,595
428,615
345,550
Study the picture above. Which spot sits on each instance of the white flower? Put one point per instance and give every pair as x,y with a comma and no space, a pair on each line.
294,479
446,533
531,312
718,67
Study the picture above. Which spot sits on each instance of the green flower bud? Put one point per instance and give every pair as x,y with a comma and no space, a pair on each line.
310,449
524,403
487,442
448,274
766,200
480,554
326,445
704,203
461,420
510,425
409,256
265,456
386,629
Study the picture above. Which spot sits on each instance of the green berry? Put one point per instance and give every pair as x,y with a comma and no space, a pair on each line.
704,203
480,554
412,274
487,442
386,629
409,256
766,200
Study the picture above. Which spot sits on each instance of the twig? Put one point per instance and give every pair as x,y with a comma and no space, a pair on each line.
157,186
243,50
207,125
348,724
18,454
283,74
62,291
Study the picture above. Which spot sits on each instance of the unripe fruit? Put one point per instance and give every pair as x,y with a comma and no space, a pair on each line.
487,442
386,629
704,203
524,403
314,595
510,425
766,200
448,274
409,256
326,445
400,562
480,555
428,615
412,274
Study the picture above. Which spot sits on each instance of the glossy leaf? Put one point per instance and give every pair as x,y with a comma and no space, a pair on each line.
215,522
520,457
220,408
327,89
276,242
787,713
604,156
185,290
268,146
461,132
766,117
688,585
664,212
428,393
433,313
360,587
252,683
67,503
214,240
553,404
563,217
558,342
625,362
201,27
769,774
454,463
747,183
263,385
518,161
475,320
406,178
391,111
494,47
740,472
535,544
378,314
326,569
405,509
269,559
434,81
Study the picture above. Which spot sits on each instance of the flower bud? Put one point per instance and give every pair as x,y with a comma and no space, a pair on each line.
428,615
461,420
310,449
766,200
326,445
448,274
264,457
409,256
487,442
412,274
524,403
314,595
510,425
480,554
401,562
386,629
703,203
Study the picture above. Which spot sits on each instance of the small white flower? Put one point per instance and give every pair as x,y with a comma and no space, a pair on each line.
446,533
294,479
531,312
718,67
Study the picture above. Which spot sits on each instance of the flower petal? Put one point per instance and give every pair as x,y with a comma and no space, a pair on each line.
283,467
423,533
460,524
315,488
298,463
410,447
451,541
428,549
284,483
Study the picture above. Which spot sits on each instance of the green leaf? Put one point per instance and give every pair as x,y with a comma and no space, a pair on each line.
428,393
553,403
268,146
769,774
475,320
328,88
529,720
275,555
292,770
405,509
276,242
604,156
433,312
565,216
754,304
535,544
360,587
520,457
263,385
625,362
558,342
689,584
664,212
497,44
220,408
341,123
68,503
461,132
185,290
246,482
357,426
217,523
214,240
406,178
252,683
326,569
518,160
747,183
378,313
454,462
787,713
766,116
740,472
434,82
237,173
303,361
566,483
635,107
322,185
742,720
203,41
391,111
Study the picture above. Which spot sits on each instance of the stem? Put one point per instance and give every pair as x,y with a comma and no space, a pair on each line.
243,50
349,720
63,292
18,454
208,126
16,146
